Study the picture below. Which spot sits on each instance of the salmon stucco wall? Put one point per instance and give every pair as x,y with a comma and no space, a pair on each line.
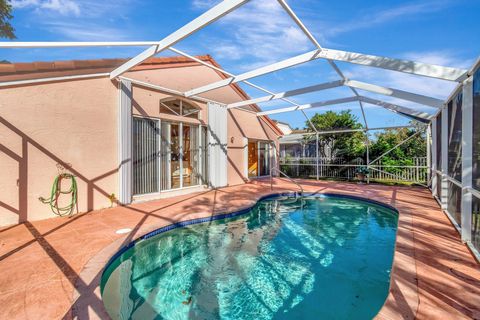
242,124
70,123
74,124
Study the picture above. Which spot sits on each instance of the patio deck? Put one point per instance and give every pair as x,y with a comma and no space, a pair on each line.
50,269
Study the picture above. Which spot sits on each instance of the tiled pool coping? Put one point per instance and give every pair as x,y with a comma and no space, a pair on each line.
227,215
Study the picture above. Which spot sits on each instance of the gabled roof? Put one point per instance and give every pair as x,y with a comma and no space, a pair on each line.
41,69
38,70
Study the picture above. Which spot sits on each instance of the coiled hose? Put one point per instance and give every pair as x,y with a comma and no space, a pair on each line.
57,192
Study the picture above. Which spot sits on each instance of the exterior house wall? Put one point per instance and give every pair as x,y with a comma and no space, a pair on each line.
75,123
241,123
45,124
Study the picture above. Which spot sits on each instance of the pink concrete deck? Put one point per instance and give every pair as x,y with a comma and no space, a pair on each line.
51,269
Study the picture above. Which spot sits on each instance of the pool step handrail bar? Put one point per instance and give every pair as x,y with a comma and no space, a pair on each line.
286,176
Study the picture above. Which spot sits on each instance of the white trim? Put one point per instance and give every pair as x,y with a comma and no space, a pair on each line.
53,79
203,20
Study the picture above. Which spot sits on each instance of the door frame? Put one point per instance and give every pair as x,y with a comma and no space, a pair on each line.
271,149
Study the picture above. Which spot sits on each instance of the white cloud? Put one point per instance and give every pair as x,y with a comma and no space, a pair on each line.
204,4
86,31
63,7
369,19
260,30
85,20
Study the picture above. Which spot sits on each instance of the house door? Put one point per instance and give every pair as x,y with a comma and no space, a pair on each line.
252,159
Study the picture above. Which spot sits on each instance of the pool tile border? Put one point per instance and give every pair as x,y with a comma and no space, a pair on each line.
226,215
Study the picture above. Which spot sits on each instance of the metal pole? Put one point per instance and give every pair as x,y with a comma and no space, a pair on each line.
467,158
317,155
429,153
444,155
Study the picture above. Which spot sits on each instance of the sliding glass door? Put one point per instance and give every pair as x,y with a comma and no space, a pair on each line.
190,151
182,156
260,155
264,158
168,155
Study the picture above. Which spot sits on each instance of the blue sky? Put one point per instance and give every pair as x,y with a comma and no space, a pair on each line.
444,32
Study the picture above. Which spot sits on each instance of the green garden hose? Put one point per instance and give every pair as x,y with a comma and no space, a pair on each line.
57,192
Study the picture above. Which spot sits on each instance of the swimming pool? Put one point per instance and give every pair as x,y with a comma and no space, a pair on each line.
315,257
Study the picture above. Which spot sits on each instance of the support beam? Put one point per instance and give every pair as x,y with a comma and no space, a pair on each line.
299,23
444,159
163,89
429,153
390,106
309,106
396,108
405,66
59,44
125,142
467,158
246,82
404,95
434,157
256,73
202,21
290,93
357,130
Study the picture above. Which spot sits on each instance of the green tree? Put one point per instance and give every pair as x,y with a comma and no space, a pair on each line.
6,29
402,155
347,145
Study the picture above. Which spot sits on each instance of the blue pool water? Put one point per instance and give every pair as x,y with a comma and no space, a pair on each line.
322,257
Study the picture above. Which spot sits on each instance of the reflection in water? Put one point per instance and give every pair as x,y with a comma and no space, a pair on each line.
314,258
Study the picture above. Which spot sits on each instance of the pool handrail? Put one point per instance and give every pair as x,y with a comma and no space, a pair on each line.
286,176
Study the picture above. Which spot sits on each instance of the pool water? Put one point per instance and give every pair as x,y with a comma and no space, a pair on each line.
323,257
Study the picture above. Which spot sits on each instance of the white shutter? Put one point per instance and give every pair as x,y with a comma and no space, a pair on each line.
217,144
125,142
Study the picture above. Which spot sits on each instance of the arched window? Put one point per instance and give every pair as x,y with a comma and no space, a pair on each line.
179,107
